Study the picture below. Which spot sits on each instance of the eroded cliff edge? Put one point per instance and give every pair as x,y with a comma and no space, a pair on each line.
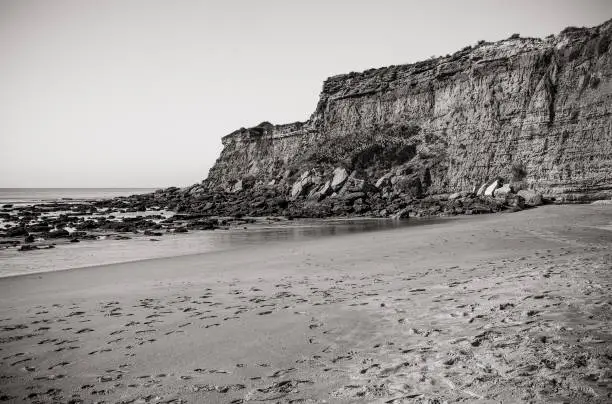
540,107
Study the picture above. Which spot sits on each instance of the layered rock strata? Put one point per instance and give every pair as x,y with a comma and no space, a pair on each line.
534,112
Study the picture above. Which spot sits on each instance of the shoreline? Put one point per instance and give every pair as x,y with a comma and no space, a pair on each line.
257,226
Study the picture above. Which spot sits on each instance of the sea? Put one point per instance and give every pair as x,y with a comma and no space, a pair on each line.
88,253
41,195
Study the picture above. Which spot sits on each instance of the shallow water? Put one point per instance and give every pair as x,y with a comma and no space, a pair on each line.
91,253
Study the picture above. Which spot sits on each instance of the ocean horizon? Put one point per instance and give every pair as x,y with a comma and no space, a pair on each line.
33,195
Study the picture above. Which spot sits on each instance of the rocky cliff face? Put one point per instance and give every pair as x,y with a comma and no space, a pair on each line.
533,111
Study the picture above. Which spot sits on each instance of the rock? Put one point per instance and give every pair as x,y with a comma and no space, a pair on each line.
207,206
481,189
531,197
297,189
258,202
383,181
402,214
515,201
502,191
38,228
204,224
408,185
153,233
16,231
349,197
453,196
237,187
340,176
196,190
59,233
301,186
479,208
491,187
326,189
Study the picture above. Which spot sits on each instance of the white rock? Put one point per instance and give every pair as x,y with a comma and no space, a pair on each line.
503,191
382,181
481,190
296,189
326,189
237,187
299,186
492,187
340,176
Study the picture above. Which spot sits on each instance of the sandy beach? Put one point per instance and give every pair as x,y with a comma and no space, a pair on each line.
494,308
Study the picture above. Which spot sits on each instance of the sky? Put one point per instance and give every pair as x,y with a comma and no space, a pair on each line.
138,93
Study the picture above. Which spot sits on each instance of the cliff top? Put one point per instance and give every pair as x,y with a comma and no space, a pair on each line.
356,84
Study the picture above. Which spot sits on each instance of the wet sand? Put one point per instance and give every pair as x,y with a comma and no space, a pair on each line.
497,308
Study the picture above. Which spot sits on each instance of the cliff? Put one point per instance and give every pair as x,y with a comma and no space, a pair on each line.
534,112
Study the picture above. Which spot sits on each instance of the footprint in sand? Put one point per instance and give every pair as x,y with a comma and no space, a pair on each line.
61,364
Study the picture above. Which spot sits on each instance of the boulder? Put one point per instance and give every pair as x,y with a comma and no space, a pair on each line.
531,197
59,233
321,193
197,189
515,201
237,187
349,197
454,196
402,214
16,232
296,189
208,206
326,189
408,185
38,228
491,187
503,191
384,180
300,187
481,189
478,208
340,177
152,233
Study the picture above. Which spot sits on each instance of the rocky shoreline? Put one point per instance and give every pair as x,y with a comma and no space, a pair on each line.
173,210
44,225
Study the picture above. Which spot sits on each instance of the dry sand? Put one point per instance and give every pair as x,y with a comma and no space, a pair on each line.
498,308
